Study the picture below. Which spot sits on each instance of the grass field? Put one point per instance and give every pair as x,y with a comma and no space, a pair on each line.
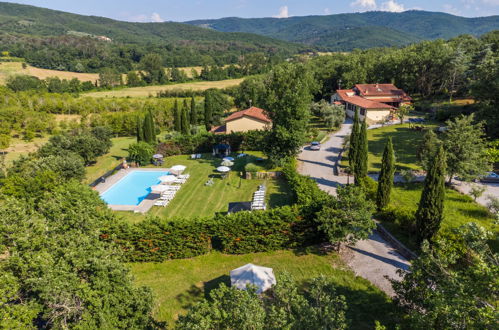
177,284
12,68
110,160
459,209
153,90
405,143
195,199
20,147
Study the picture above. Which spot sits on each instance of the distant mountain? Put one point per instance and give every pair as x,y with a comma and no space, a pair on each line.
344,32
35,21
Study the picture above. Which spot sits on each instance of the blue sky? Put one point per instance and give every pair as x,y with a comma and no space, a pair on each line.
182,10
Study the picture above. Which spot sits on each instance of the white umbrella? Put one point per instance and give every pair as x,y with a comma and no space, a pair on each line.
160,188
223,169
157,156
227,163
261,277
229,158
167,178
178,168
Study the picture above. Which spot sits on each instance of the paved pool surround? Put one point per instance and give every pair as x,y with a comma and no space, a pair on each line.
145,205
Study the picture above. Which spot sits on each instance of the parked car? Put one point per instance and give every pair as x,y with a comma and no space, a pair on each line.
490,177
315,146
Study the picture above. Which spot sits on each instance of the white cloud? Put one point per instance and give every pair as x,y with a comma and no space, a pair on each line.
327,11
491,2
392,6
448,8
364,4
283,12
155,17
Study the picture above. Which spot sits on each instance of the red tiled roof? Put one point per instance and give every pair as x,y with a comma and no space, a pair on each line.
343,93
388,90
367,104
252,112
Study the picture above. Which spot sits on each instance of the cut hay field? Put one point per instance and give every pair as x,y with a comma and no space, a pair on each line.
153,90
12,68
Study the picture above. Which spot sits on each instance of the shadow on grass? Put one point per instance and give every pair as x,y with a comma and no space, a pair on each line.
475,213
196,294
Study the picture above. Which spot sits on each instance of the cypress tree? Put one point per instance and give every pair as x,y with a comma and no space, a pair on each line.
429,215
360,167
354,136
194,115
149,135
176,117
140,130
385,182
186,128
208,111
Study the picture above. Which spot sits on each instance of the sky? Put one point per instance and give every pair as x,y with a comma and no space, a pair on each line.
184,10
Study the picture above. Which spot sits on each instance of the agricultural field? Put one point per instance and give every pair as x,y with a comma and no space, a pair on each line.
12,68
153,90
178,284
215,198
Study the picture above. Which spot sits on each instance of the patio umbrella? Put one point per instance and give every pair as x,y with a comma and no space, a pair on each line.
231,159
261,277
223,169
227,163
178,168
159,188
167,178
157,156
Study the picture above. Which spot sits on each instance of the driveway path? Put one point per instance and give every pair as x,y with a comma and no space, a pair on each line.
373,259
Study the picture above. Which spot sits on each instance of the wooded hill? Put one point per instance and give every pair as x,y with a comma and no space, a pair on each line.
343,32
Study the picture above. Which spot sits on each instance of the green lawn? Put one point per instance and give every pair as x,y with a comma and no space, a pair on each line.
177,284
110,160
195,199
459,209
405,143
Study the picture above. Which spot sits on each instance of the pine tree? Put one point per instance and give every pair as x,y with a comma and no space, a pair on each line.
430,211
360,167
385,182
140,130
176,117
354,136
208,111
194,116
186,127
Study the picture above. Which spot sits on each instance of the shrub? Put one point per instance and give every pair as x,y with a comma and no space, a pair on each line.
251,168
403,216
140,152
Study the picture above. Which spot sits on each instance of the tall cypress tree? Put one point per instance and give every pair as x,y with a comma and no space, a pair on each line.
360,167
194,115
385,182
186,127
149,135
208,111
429,215
140,130
354,137
176,117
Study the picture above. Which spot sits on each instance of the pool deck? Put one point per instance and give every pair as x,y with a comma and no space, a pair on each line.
145,205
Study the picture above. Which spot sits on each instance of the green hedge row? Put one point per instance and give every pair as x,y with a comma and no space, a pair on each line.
239,233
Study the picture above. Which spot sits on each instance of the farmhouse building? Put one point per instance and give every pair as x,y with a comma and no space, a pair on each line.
245,120
376,101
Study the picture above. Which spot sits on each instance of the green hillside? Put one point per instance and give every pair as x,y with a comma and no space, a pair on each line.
358,30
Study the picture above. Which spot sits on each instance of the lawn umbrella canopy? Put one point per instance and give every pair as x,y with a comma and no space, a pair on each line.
227,163
230,159
158,156
261,277
167,178
223,169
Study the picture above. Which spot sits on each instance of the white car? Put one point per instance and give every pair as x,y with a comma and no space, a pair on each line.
315,146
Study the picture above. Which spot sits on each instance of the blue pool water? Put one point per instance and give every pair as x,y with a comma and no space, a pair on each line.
133,188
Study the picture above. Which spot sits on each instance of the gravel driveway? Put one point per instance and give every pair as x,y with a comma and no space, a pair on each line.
373,259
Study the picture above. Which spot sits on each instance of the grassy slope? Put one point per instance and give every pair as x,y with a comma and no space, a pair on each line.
405,143
458,210
177,284
12,68
153,90
197,200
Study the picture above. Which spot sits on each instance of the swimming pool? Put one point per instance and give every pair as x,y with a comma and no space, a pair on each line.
133,188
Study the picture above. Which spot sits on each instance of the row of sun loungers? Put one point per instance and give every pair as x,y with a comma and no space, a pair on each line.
258,202
168,195
195,156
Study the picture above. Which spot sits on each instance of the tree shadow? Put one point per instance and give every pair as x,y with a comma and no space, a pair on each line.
197,293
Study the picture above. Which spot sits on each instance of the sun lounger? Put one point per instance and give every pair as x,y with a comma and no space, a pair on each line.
193,156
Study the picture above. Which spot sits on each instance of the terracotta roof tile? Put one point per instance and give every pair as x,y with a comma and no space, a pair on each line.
388,90
367,104
252,112
219,129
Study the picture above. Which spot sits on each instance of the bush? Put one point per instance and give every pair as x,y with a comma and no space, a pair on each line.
140,152
402,216
251,168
